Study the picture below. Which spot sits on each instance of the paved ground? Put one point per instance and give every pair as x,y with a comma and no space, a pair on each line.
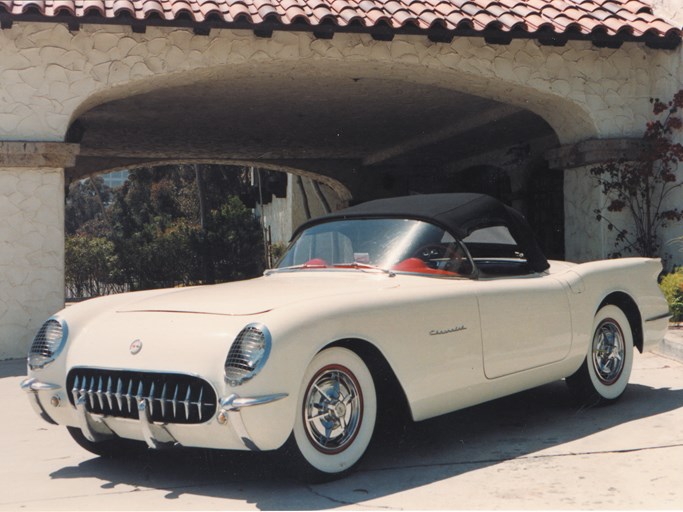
672,344
534,450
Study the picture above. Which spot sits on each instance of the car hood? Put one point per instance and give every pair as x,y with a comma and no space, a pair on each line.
259,295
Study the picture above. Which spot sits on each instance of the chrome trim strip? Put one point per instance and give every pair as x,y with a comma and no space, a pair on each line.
232,405
659,317
235,403
235,419
34,385
134,369
84,423
146,423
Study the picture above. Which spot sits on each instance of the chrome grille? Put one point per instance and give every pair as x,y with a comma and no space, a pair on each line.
48,338
169,397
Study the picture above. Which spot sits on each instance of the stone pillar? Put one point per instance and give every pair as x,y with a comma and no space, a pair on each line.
586,238
584,235
31,239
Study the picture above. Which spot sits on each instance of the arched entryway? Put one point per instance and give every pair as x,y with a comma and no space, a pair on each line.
382,112
366,130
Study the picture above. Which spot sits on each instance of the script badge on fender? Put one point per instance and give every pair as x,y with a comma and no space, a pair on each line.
135,347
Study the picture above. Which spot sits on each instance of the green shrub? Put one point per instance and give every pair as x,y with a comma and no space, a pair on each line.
89,266
672,287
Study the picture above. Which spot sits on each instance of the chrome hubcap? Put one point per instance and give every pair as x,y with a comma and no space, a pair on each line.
608,352
333,409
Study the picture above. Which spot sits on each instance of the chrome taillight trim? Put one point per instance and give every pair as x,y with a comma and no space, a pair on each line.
236,355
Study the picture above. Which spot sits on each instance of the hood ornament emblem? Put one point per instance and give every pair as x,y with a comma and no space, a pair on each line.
135,347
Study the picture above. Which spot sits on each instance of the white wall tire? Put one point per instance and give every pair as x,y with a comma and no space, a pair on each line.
605,372
335,414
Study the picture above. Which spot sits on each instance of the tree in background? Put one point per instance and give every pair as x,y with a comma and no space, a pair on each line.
85,204
158,231
90,263
641,186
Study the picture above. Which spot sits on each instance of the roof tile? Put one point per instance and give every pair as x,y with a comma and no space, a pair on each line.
613,17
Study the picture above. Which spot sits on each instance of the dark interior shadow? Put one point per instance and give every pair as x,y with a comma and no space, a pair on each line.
12,368
421,453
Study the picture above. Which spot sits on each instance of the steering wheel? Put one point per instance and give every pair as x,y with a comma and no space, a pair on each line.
431,254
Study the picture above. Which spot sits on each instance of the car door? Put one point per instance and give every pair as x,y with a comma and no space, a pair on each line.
525,323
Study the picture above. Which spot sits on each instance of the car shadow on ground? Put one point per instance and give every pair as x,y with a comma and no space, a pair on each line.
419,454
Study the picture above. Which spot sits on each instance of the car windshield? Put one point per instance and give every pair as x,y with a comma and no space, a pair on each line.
402,245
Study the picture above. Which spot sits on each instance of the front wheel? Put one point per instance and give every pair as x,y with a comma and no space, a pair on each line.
335,416
604,375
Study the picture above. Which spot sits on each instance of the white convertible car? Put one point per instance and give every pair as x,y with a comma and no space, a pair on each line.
434,302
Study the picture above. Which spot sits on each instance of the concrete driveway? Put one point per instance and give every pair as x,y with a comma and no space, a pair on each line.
534,450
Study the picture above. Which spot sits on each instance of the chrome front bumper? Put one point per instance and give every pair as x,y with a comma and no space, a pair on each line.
32,386
156,435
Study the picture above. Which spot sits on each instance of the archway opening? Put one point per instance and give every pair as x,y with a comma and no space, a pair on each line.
364,131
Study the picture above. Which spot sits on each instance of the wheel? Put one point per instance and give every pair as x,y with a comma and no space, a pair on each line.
111,448
604,375
335,417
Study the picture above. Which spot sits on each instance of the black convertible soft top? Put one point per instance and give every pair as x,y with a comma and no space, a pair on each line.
460,214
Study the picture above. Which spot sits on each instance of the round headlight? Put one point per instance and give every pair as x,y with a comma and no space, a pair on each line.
247,354
47,344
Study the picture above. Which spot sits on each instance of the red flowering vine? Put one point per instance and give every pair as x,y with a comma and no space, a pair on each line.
641,186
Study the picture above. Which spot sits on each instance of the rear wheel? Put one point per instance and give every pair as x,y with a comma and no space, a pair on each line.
336,414
604,375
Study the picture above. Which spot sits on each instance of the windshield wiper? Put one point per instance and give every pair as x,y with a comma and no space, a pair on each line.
294,267
363,267
355,265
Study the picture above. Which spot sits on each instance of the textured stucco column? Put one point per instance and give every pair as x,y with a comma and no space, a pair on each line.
586,238
31,240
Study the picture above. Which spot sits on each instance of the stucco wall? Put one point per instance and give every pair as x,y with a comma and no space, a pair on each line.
31,254
48,76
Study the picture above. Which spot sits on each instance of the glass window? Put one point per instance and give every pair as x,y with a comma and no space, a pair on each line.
401,245
496,253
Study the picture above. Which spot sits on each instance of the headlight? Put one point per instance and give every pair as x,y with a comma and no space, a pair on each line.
248,354
47,344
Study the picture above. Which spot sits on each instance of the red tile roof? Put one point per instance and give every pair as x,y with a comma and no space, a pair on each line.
604,20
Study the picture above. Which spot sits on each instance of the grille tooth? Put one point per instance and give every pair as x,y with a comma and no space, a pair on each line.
83,391
91,392
129,394
140,391
175,401
75,390
99,394
150,400
199,403
181,398
119,388
187,403
162,401
108,393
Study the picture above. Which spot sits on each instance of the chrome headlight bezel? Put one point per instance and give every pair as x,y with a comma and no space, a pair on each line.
248,354
48,343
